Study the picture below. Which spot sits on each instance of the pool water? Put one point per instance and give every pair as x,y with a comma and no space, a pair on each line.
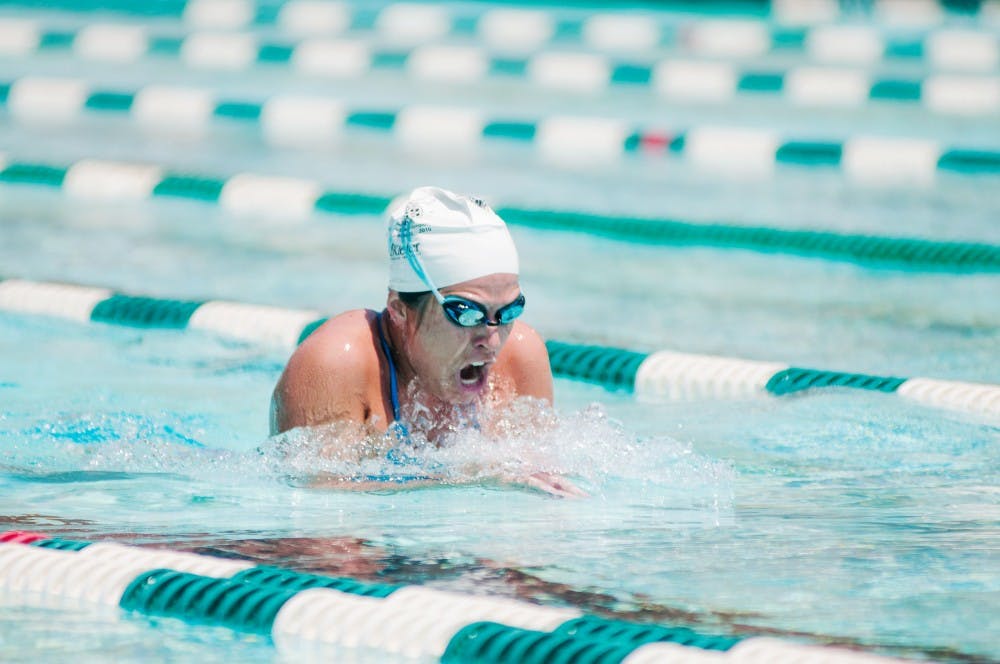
833,516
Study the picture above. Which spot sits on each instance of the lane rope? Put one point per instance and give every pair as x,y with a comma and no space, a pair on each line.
659,375
812,28
686,79
298,199
311,610
558,140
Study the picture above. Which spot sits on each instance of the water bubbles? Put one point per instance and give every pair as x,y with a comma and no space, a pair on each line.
525,443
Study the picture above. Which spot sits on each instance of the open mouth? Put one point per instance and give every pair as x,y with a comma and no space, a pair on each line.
473,376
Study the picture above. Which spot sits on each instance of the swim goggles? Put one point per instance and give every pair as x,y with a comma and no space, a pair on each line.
459,310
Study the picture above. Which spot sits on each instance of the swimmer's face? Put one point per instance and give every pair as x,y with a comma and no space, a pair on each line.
453,363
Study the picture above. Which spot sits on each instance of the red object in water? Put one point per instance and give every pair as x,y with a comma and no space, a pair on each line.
655,142
21,537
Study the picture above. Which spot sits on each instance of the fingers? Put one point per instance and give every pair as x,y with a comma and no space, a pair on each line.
554,485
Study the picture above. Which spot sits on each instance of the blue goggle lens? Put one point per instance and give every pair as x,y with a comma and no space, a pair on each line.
467,313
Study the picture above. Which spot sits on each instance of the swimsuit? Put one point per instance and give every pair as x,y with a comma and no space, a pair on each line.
396,427
393,384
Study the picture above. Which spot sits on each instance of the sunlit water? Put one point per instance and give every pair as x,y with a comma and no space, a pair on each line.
838,516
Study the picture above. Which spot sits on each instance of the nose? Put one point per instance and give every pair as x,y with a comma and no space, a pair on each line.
490,339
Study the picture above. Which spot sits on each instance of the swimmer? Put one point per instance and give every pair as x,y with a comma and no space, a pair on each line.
448,343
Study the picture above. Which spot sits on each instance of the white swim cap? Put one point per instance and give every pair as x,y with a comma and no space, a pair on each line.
452,239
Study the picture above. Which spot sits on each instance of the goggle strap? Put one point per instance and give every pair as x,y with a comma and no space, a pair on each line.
406,239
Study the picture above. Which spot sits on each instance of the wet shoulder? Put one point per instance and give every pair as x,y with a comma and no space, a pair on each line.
524,360
343,344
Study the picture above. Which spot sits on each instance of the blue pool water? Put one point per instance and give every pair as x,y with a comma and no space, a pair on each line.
837,516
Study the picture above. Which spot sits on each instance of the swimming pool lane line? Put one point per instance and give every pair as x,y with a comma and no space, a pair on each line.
307,610
672,79
662,375
290,199
523,30
559,140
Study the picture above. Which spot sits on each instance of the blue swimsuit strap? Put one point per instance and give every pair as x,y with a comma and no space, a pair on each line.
393,385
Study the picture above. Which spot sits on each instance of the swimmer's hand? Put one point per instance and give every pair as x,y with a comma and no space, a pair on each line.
554,485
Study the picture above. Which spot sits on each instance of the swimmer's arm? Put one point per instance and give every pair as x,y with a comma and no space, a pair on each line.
324,381
554,485
525,361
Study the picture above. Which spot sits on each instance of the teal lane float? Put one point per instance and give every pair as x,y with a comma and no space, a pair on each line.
297,121
291,198
698,28
655,376
674,79
307,613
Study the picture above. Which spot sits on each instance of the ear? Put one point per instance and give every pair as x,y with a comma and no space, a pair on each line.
396,307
